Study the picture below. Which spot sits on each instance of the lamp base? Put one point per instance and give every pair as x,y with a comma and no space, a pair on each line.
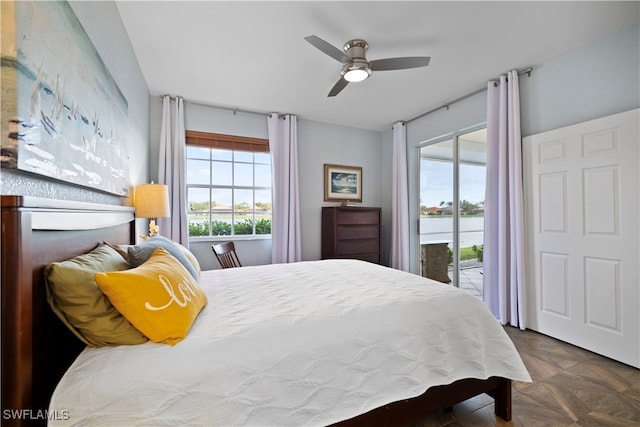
153,230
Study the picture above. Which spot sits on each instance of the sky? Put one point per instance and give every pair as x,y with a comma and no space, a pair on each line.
205,167
436,183
436,180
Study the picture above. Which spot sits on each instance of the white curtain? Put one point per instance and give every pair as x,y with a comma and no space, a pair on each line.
504,275
285,228
400,202
171,169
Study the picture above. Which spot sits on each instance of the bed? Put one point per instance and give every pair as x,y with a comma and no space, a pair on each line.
271,359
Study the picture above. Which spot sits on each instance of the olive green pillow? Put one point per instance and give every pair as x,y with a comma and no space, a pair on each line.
75,297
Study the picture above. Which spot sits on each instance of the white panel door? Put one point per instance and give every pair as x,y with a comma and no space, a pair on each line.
582,216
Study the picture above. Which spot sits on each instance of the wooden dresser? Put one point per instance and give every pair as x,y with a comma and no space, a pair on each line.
352,232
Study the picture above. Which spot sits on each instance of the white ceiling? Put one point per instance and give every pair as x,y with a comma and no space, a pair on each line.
252,56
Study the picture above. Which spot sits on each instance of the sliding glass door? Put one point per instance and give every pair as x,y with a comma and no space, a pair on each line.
452,190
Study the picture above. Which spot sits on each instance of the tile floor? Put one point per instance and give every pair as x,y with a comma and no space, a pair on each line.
470,278
571,387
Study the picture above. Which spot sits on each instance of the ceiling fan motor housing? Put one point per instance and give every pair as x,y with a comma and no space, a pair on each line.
356,48
356,51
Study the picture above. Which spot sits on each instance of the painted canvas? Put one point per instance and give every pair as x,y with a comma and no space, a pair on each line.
342,183
63,115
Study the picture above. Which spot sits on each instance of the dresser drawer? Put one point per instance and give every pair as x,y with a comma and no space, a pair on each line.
358,231
370,257
358,216
356,246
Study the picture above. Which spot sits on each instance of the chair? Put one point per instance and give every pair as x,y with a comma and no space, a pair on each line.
226,254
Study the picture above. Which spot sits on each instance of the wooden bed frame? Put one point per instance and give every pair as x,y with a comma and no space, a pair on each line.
37,348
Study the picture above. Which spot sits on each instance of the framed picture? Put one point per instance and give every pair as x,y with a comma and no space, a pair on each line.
342,183
66,117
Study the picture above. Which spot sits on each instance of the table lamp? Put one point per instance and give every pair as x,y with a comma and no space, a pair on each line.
151,201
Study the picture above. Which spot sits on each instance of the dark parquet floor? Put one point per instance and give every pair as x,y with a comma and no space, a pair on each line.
571,387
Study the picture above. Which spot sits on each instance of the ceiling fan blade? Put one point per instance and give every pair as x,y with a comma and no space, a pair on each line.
399,63
327,48
337,88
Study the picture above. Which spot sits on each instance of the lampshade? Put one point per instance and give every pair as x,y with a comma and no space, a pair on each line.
151,201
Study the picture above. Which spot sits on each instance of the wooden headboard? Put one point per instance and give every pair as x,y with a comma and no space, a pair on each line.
36,347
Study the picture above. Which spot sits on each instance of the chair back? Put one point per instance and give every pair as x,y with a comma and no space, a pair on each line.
226,255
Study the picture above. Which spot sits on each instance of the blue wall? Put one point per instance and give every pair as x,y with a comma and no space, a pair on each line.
594,80
318,143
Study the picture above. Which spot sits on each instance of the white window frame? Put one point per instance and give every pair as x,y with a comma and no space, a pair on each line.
234,144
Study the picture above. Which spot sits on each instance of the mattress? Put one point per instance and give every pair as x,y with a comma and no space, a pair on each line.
308,343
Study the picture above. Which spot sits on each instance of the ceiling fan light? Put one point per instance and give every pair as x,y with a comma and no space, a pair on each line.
356,75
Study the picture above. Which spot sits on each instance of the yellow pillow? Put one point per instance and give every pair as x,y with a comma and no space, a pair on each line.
160,297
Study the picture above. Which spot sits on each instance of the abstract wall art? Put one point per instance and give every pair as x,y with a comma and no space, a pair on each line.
63,115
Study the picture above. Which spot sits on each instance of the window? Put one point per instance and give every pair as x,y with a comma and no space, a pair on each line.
453,169
228,185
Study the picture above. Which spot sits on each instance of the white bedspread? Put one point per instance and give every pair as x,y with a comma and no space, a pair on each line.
301,344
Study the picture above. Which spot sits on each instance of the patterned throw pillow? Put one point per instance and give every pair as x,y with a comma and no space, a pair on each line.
160,298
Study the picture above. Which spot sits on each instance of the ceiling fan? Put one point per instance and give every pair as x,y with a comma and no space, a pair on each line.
355,67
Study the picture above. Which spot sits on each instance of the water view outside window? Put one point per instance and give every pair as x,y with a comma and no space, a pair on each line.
228,192
439,187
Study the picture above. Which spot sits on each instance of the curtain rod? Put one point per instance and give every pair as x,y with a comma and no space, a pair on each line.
234,110
475,92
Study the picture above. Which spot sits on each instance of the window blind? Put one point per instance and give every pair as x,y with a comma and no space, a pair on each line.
227,142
